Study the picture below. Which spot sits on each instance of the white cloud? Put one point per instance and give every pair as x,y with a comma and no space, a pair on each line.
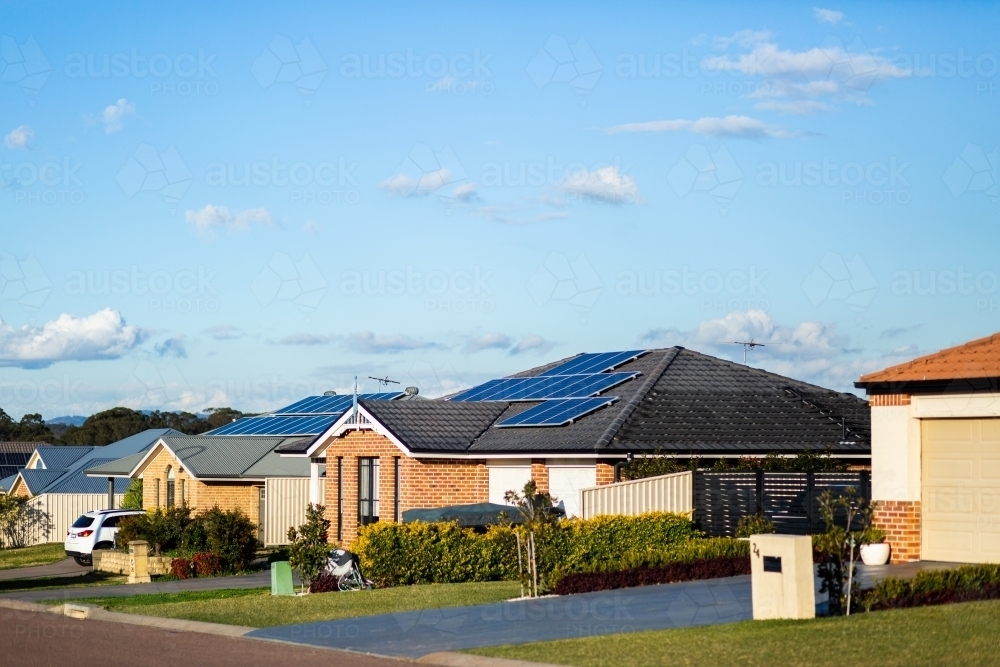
465,193
407,186
794,107
306,339
19,137
312,228
532,343
831,16
219,216
114,115
172,347
605,184
366,342
103,335
736,127
488,341
224,332
743,38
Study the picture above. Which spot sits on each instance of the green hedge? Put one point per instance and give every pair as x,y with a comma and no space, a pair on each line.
400,554
962,584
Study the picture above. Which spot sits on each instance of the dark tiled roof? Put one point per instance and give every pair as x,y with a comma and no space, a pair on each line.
436,425
19,446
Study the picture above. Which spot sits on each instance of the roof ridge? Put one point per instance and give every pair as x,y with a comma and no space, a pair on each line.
637,397
923,360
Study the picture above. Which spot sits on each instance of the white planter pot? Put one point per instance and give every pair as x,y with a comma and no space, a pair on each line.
875,554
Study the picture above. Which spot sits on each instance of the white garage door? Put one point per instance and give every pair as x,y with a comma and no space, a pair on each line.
565,483
960,502
507,478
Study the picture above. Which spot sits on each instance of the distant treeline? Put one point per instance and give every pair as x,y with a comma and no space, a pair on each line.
111,425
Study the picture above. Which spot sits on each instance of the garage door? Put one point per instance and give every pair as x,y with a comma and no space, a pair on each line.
507,478
961,490
565,483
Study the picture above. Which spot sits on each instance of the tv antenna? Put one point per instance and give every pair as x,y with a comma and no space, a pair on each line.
747,346
383,382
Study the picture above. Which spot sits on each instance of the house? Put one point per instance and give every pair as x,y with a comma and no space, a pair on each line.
231,472
564,425
55,480
936,453
14,455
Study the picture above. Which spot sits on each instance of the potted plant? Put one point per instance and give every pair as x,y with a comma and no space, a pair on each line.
874,550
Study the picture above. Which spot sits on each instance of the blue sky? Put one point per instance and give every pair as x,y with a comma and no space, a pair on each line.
202,206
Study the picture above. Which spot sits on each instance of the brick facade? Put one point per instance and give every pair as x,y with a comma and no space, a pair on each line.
605,474
540,475
198,495
900,520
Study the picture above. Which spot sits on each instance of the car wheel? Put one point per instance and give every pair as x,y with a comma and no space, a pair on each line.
82,560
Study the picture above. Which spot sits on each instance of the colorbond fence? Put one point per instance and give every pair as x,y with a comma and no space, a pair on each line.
286,499
664,493
62,509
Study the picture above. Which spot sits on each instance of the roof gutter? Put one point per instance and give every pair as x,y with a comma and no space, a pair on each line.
633,403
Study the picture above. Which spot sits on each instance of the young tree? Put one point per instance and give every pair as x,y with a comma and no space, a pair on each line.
838,544
535,510
308,550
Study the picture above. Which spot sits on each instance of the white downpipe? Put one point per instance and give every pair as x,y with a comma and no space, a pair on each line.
314,484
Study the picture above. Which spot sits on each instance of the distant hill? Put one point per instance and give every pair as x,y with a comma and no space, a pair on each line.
67,420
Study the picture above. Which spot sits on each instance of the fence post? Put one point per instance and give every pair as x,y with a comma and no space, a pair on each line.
760,492
810,493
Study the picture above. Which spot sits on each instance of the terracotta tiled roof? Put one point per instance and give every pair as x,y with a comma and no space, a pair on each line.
978,359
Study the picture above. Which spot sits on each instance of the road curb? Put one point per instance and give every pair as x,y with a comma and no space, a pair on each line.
451,659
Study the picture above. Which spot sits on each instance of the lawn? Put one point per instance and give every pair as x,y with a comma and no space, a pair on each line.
257,608
960,634
42,554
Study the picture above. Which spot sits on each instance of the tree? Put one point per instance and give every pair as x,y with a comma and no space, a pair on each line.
133,496
838,545
536,510
106,427
18,518
308,550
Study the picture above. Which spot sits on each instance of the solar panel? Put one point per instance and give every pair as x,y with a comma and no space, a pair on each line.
277,425
332,405
557,413
594,362
543,387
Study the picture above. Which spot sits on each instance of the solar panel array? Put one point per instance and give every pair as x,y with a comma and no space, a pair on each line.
557,413
544,387
332,405
277,425
594,363
310,416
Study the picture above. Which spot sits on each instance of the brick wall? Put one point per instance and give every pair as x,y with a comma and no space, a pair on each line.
900,520
540,475
199,496
605,474
423,482
883,400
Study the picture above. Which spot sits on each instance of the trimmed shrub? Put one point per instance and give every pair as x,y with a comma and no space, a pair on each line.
754,524
713,568
232,537
402,554
162,528
206,565
182,568
932,587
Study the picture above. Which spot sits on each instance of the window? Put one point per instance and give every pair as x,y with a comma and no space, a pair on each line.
83,522
157,493
170,487
367,491
111,522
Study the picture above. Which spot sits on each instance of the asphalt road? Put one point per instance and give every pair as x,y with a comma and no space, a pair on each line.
41,639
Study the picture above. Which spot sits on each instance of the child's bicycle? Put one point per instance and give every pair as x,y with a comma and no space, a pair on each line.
344,565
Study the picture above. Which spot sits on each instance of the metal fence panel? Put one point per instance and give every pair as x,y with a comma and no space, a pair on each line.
664,493
286,500
61,510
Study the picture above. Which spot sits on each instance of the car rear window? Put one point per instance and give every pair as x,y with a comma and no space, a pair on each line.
83,522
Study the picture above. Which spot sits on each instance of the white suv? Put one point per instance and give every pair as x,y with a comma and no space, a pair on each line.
94,530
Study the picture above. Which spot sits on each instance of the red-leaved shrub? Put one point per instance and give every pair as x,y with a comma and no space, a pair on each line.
712,568
207,564
325,583
181,568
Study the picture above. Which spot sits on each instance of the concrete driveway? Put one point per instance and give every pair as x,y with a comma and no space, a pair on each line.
414,634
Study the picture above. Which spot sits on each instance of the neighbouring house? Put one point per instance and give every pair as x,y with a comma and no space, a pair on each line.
936,453
55,479
565,426
14,455
231,472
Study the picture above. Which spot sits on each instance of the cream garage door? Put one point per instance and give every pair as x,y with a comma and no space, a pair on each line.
960,501
507,478
565,483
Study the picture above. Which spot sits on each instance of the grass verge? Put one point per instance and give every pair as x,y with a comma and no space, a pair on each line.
958,634
258,609
41,554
